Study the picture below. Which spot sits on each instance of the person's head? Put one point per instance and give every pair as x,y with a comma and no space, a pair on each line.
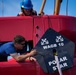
19,42
26,7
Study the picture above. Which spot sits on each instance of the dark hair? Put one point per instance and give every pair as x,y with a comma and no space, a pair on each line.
19,39
31,10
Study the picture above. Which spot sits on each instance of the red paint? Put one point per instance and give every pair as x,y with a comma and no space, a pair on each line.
32,28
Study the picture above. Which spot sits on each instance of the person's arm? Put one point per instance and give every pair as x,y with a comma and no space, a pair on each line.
23,57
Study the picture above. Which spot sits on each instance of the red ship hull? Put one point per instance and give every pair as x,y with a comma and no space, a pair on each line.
32,28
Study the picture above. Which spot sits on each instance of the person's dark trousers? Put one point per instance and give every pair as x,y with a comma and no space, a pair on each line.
3,58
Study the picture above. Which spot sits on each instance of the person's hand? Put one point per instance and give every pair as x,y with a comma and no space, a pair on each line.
41,14
32,59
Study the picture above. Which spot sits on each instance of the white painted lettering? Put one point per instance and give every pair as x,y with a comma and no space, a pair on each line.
54,68
44,47
61,44
52,62
49,46
65,58
61,66
65,64
61,60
